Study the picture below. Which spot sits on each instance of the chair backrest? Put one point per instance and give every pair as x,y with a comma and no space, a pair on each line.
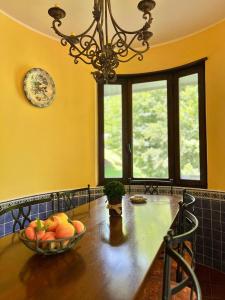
22,212
189,201
67,198
151,185
172,253
187,204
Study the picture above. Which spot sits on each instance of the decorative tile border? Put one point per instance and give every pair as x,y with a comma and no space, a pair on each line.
210,211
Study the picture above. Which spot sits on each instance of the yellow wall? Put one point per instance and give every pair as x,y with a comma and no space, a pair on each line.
43,149
54,148
210,43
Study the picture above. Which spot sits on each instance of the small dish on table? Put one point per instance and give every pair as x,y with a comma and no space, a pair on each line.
138,199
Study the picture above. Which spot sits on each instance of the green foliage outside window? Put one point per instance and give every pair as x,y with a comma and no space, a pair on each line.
150,136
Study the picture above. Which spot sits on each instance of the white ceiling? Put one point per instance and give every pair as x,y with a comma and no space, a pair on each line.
173,19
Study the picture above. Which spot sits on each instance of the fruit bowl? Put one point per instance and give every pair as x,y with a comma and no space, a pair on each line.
50,247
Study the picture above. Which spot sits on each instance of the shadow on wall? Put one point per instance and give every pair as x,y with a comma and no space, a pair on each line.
19,77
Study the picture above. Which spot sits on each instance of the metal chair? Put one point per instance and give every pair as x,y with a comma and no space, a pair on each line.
151,185
65,199
21,210
187,204
189,201
187,277
184,225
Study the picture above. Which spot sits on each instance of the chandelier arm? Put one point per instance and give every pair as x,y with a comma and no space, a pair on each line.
86,31
115,24
76,56
57,23
82,59
119,34
72,48
122,38
82,53
92,38
135,33
140,57
140,51
128,45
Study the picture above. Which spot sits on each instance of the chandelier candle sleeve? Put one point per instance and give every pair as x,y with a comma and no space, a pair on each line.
99,46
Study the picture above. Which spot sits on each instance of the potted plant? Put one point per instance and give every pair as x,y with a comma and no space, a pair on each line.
114,190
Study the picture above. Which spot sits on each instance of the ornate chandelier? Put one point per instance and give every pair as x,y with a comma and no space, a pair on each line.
96,46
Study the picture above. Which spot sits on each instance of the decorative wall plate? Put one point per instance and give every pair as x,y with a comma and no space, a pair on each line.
39,87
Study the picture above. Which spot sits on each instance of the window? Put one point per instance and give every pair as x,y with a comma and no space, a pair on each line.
152,126
113,131
150,132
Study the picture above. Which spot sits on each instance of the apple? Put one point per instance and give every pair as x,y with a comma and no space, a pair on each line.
64,231
78,225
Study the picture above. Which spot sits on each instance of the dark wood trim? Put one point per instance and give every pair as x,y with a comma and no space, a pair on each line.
172,76
162,72
176,129
126,130
202,127
200,70
171,127
100,89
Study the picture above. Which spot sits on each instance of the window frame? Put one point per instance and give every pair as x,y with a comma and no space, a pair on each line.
172,76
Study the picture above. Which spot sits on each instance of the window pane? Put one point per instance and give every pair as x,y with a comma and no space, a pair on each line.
113,131
150,135
189,127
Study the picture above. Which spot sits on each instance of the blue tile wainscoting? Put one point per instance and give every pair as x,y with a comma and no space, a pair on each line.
209,209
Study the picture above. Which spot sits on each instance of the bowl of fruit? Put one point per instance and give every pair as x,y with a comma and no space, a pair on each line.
55,235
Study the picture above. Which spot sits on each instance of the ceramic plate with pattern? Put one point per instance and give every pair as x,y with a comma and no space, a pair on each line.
39,87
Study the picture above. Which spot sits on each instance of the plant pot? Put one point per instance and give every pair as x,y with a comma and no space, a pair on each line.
113,213
117,203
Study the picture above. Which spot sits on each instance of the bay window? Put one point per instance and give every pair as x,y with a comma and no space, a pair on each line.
152,126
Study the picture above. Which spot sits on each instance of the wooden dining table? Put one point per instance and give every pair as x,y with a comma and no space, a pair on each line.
110,262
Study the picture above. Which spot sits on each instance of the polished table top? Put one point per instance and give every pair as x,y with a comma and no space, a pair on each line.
109,262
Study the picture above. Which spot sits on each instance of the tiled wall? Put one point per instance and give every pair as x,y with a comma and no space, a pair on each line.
210,246
210,211
42,211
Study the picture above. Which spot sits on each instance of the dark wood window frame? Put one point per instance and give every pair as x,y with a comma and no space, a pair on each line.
172,76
